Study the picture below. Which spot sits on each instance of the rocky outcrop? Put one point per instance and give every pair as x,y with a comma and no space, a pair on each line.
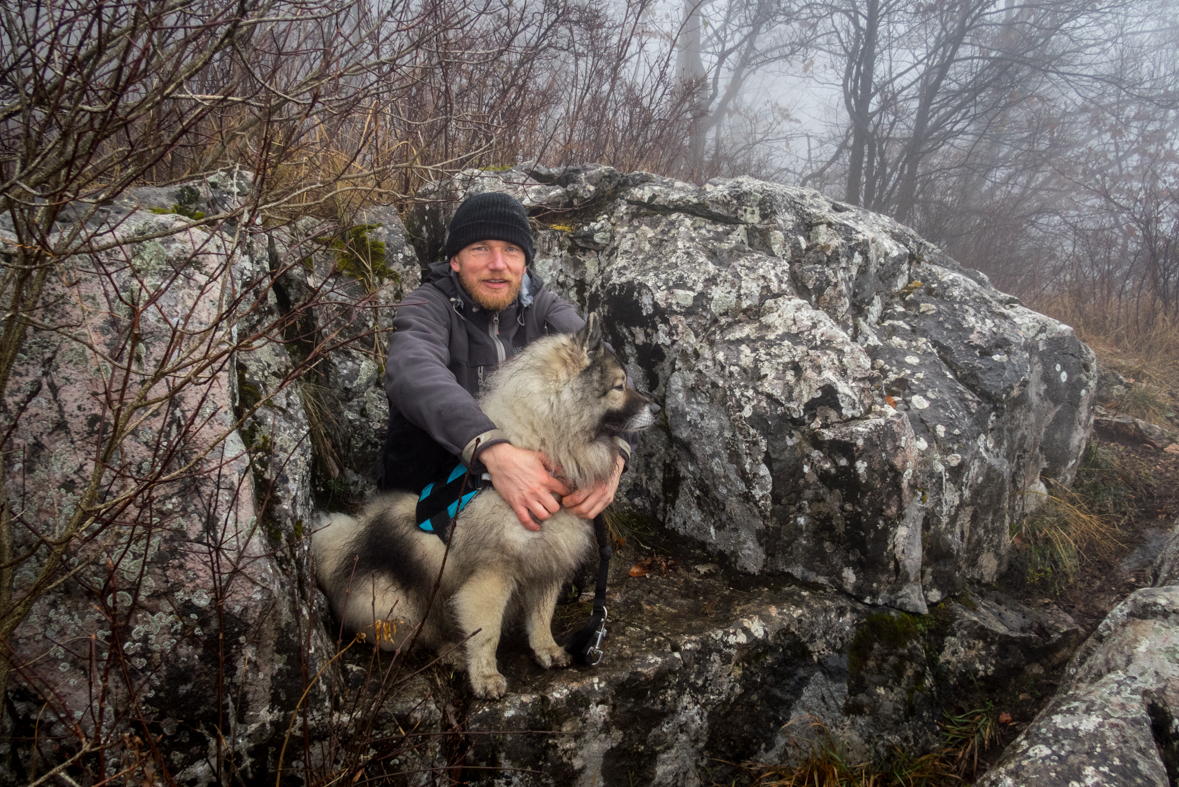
850,418
1114,719
701,678
147,579
844,404
334,298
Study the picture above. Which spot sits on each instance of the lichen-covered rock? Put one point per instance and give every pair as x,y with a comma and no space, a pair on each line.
700,678
1113,721
843,403
167,622
236,365
340,289
995,639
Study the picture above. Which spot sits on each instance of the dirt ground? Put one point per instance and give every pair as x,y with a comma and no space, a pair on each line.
1143,520
1151,510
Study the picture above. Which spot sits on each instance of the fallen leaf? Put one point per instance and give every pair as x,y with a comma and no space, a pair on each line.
891,402
1173,448
641,569
1005,718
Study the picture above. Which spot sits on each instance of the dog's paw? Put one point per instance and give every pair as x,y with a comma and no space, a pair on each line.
489,685
552,656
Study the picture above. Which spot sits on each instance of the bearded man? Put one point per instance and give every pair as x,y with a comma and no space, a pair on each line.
479,307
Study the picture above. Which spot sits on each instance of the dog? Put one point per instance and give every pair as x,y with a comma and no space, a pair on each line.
565,396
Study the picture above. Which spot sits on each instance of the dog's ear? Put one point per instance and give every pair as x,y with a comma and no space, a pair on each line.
589,338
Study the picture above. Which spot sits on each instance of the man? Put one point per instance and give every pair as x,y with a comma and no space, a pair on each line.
478,308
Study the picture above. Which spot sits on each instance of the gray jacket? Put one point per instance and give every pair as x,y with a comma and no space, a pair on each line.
442,350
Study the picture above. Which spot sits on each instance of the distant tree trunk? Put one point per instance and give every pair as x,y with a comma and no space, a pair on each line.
858,98
691,78
946,57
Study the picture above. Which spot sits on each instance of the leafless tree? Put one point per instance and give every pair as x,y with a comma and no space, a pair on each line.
942,86
293,108
721,48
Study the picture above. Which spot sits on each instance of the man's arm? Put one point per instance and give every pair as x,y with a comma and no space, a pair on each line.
418,378
419,381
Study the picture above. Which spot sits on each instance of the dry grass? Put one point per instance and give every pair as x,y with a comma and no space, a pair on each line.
970,734
1139,341
825,763
1064,534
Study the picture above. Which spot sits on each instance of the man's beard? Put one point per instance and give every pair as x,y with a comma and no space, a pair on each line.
495,303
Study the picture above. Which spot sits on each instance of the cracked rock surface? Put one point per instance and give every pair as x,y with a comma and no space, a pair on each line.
843,403
1113,720
851,422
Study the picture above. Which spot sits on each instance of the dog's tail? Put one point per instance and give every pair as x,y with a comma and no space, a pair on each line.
330,539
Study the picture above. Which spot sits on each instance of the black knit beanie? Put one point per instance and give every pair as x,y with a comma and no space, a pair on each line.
490,216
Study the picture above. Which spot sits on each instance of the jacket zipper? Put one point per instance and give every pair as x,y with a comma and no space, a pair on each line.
500,353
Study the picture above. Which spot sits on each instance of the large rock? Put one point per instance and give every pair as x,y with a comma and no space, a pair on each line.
165,617
180,628
843,403
336,296
700,678
1115,719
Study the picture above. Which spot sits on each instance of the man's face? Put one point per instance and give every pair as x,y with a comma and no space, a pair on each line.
491,272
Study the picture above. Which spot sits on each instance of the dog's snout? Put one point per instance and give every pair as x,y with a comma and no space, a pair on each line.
654,409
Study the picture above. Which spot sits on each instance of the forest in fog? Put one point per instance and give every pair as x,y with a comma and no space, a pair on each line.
1032,139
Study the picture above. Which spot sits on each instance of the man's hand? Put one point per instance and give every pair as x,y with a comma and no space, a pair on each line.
588,503
524,482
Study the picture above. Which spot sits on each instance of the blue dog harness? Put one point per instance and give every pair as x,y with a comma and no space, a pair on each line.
442,500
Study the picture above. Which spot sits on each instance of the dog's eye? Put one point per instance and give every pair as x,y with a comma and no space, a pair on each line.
620,387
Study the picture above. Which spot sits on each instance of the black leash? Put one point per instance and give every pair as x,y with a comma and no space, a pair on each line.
586,645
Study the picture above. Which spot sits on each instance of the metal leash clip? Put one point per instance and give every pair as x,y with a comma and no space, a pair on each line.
595,651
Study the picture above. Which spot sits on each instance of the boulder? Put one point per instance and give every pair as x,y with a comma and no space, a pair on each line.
160,435
843,403
1114,719
1127,428
154,608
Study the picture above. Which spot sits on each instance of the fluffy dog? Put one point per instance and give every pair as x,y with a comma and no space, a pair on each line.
564,396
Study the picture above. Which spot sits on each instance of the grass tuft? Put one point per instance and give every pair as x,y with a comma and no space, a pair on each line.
1144,401
970,734
825,762
1064,534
